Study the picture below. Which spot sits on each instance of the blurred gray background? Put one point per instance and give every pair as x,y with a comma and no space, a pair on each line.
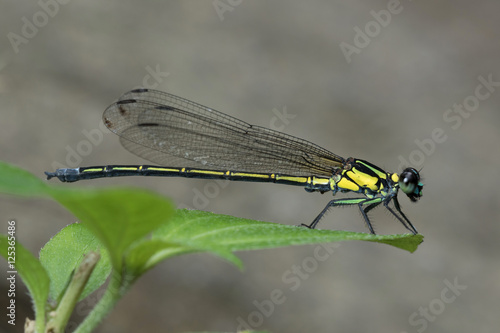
409,89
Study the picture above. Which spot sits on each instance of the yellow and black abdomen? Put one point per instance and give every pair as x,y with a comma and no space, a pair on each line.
311,183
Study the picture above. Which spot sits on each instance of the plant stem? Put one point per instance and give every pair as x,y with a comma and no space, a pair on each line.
117,287
61,314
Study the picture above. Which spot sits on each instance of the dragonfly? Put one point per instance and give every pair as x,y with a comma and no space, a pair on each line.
186,139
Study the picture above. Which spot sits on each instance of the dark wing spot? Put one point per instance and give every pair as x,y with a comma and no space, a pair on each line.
108,123
122,110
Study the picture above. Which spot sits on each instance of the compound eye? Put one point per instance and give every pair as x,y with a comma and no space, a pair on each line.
409,182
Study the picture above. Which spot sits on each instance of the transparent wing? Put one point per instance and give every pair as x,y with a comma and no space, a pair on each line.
172,131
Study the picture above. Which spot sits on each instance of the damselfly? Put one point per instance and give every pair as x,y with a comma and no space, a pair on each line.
187,139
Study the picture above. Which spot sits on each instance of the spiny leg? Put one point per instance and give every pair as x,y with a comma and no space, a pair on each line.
405,222
343,202
365,213
372,203
320,215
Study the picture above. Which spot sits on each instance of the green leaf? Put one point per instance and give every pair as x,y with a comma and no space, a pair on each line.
118,217
146,254
198,229
64,253
32,273
14,180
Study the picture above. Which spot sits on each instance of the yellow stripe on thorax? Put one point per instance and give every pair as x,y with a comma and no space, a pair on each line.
346,184
362,179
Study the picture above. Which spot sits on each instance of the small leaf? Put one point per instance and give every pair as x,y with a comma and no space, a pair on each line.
33,274
64,253
118,217
14,180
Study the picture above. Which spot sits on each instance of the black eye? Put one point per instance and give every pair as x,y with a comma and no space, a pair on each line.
409,182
